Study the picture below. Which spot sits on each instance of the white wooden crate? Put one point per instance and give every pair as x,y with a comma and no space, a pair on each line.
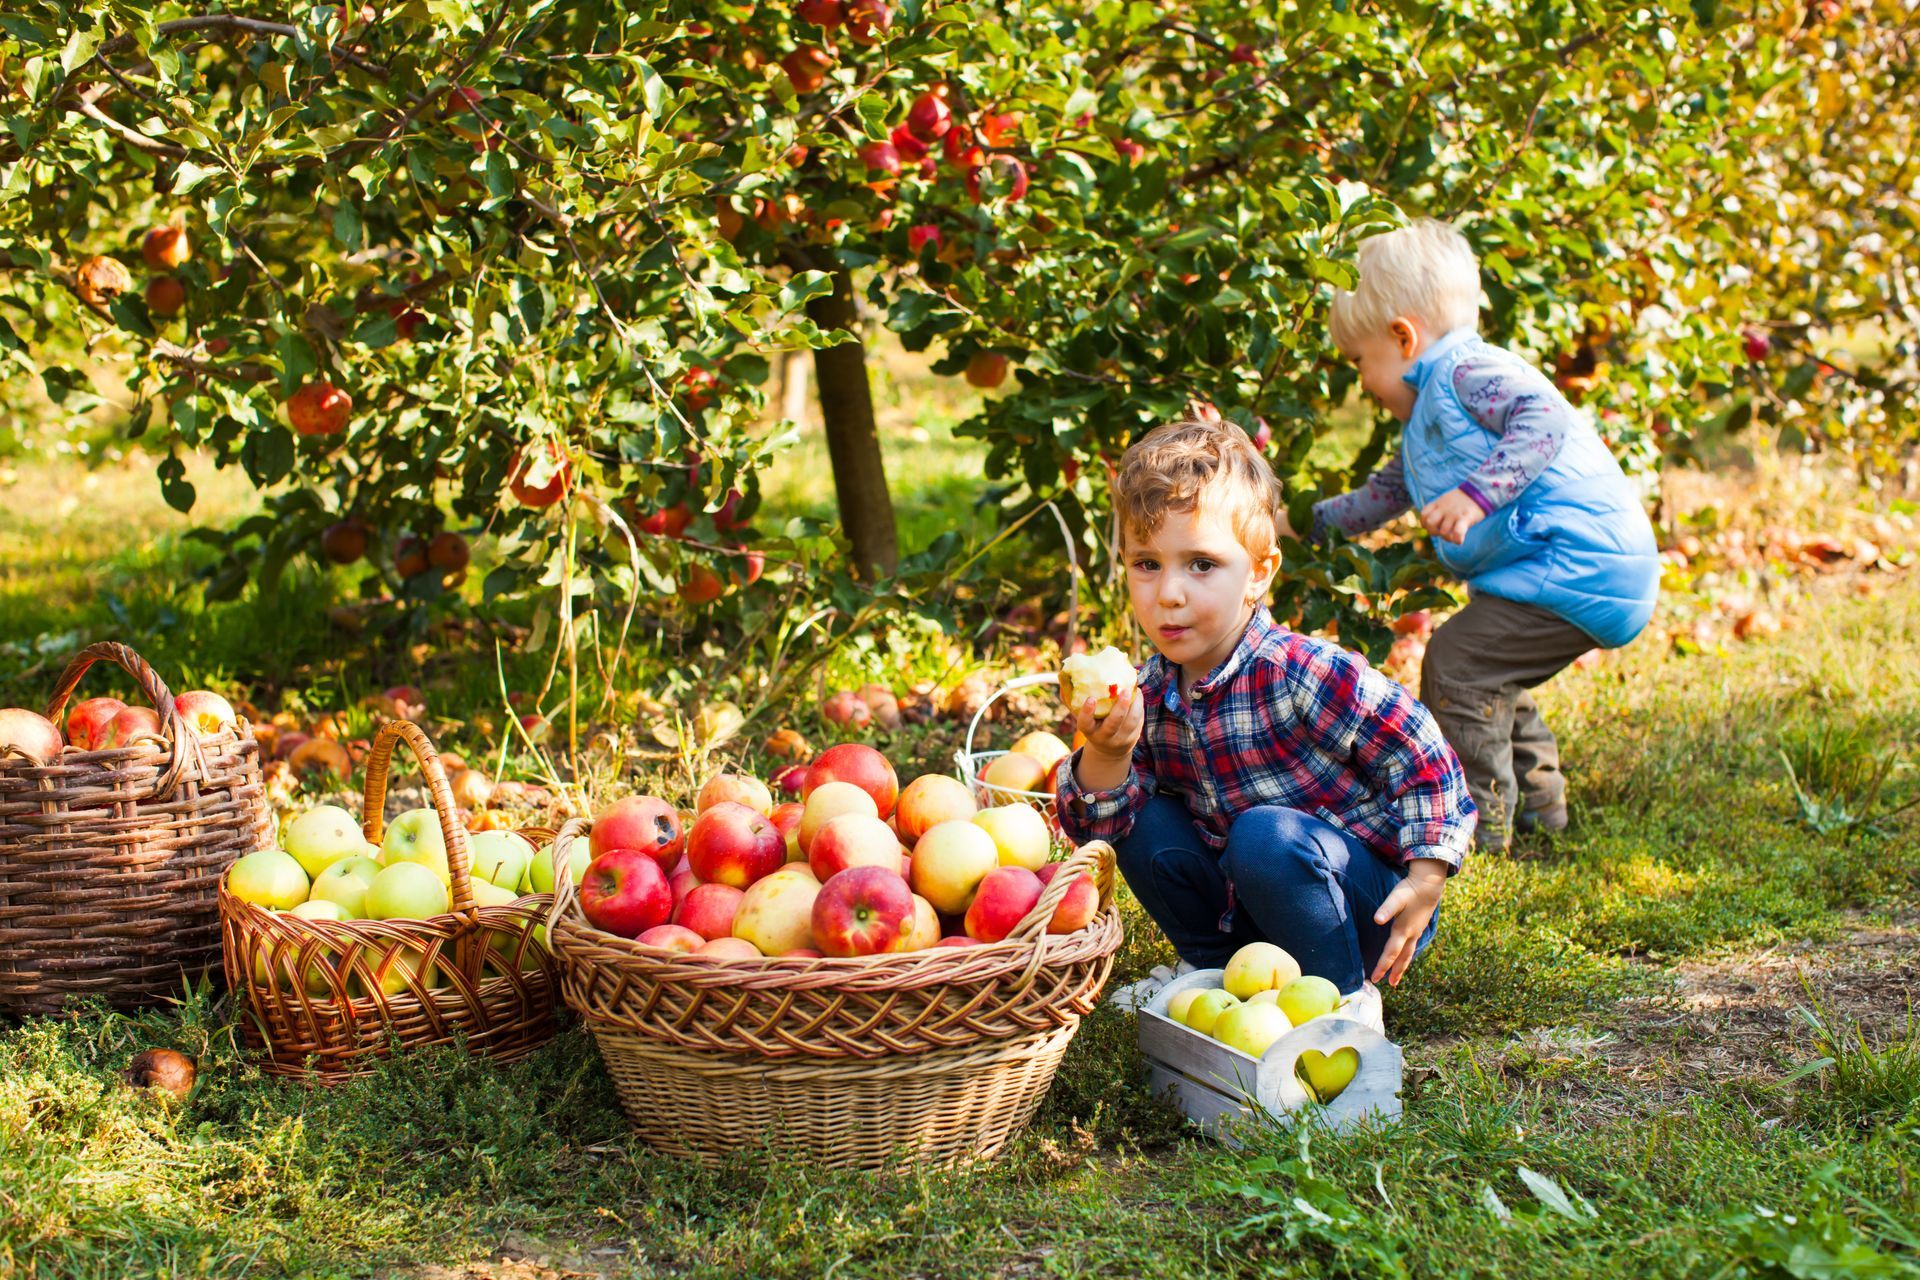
1217,1086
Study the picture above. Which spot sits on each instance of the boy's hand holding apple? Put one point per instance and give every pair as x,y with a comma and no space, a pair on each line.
1108,754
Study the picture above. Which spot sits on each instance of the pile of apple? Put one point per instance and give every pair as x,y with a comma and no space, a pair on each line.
1263,995
102,724
325,869
859,866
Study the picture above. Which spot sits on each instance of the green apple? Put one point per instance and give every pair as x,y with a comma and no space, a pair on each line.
1307,998
415,836
501,858
345,883
540,870
1259,966
392,975
1269,996
1250,1027
322,836
1180,1002
269,878
406,891
1207,1008
1326,1076
320,909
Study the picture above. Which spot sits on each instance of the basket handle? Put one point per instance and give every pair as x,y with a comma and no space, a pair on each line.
173,725
1018,682
563,891
1095,858
374,816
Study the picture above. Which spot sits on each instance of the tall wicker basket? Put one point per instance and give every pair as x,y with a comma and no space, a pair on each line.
936,1057
328,999
110,861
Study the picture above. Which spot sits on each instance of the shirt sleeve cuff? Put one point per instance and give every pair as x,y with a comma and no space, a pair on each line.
1439,853
1472,490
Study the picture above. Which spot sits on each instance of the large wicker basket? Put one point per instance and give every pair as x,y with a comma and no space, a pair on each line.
110,861
935,1057
328,999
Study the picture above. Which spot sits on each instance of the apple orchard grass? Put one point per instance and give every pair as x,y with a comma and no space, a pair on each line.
1553,967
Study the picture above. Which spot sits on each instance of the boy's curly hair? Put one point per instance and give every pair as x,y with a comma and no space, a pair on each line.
1193,461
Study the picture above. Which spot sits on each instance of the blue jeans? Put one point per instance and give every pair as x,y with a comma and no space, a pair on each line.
1285,877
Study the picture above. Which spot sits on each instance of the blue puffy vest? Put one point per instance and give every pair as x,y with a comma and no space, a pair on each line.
1576,541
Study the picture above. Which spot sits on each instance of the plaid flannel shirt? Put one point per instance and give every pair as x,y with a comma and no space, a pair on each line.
1294,721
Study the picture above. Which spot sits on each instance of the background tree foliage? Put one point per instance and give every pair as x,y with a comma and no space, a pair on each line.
571,238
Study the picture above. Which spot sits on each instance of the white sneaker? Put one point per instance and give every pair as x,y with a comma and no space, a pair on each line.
1137,995
1363,1006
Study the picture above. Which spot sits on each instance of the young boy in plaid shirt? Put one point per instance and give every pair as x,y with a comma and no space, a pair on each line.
1258,784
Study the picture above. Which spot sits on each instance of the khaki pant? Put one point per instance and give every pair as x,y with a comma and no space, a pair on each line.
1475,679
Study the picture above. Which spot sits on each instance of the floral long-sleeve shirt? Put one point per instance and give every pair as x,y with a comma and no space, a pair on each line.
1513,401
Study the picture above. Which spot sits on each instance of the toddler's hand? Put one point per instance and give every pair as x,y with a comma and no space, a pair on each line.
1450,515
1112,736
1410,905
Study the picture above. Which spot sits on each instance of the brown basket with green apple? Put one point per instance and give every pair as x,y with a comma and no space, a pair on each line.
116,822
338,959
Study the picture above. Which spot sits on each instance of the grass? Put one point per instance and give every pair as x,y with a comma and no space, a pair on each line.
1511,1160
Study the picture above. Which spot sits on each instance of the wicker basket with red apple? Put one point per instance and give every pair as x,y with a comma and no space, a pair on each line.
899,950
116,822
349,939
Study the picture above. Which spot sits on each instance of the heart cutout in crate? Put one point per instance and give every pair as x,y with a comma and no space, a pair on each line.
1309,1062
1325,1076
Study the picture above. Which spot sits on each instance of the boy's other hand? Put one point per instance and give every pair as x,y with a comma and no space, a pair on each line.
1112,736
1450,515
1409,907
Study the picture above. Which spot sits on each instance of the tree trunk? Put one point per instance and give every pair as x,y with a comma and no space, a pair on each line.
853,442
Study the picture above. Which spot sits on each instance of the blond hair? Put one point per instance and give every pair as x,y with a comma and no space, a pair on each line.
1198,461
1425,271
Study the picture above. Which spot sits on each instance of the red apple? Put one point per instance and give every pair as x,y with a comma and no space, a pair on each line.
868,21
682,882
861,912
861,765
987,370
1077,909
344,542
672,937
709,910
909,147
1418,623
737,787
30,733
88,721
846,708
701,585
791,780
625,892
786,820
950,861
1129,150
319,409
1756,343
536,485
930,799
958,940
961,151
929,118
640,822
734,845
827,802
921,234
807,68
881,157
205,712
730,949
821,13
165,295
853,840
165,247
130,723
1002,901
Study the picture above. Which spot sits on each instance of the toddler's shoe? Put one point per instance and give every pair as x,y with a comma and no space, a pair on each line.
1363,1006
1137,995
1532,820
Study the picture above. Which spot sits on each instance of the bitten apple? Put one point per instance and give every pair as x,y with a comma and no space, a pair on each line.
1106,677
950,861
861,912
734,845
861,765
625,892
1003,899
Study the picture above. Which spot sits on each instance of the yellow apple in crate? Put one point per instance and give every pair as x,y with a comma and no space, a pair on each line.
1326,1076
1180,1002
268,878
1258,966
322,836
1251,1027
1308,997
415,837
1207,1008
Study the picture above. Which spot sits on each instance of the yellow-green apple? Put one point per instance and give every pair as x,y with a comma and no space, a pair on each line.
1207,1008
1308,997
540,870
1014,772
1269,996
1042,746
861,912
416,837
852,840
640,822
501,857
729,948
400,972
709,910
322,836
930,799
268,878
1019,833
950,861
1077,909
1003,899
625,892
737,787
1258,966
672,937
1250,1028
734,845
861,765
88,722
924,931
828,802
1106,677
786,820
777,913
205,713
130,723
345,883
1326,1076
1182,1001
406,891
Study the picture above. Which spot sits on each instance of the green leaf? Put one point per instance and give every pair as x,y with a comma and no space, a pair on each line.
174,486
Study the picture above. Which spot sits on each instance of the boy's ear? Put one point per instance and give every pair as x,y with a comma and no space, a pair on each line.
1406,335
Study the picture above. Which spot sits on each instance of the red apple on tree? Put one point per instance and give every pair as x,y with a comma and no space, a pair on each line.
806,68
344,542
319,409
861,912
624,892
1001,178
868,21
961,151
929,118
166,295
1757,344
166,247
881,157
821,13
986,370
537,481
922,234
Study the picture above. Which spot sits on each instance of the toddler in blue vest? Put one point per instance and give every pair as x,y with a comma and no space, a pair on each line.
1523,500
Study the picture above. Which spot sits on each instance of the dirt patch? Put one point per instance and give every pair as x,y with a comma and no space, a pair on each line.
524,1258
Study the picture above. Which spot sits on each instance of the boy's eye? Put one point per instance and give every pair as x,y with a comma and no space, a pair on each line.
1202,565
1146,565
